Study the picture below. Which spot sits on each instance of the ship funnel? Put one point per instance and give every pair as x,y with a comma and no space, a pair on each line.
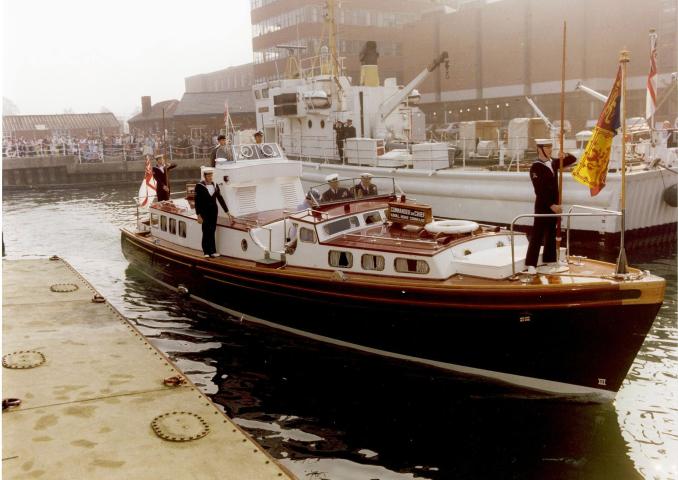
369,70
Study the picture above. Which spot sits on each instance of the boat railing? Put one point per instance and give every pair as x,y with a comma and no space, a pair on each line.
596,212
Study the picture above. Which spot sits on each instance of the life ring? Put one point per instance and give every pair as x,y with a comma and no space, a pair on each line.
267,150
246,151
451,226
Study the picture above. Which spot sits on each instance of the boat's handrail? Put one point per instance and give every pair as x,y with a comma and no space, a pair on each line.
600,212
428,243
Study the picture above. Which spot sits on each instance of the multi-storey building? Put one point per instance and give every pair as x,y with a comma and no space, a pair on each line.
300,23
504,50
500,50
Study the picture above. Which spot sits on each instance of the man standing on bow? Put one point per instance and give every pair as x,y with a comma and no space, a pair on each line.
544,176
160,173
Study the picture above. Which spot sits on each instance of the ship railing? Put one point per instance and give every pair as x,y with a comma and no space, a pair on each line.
595,212
310,147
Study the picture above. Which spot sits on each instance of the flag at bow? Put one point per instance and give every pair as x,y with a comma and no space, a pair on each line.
148,186
592,167
651,97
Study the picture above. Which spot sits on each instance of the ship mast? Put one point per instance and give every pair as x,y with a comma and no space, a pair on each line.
331,26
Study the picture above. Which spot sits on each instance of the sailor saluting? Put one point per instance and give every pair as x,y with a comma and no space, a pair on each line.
543,174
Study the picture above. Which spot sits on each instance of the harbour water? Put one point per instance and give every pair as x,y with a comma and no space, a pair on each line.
329,413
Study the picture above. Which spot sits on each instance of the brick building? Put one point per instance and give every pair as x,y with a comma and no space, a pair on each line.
238,77
153,117
504,50
76,125
202,113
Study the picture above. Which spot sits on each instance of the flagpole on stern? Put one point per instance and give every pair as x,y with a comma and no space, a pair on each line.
622,264
561,154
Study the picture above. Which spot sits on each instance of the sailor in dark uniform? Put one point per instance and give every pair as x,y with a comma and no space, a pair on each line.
335,192
160,174
365,188
221,150
544,176
206,196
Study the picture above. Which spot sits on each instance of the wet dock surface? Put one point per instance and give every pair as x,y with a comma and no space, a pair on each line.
94,402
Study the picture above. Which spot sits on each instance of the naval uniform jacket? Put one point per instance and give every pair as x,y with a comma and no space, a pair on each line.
361,191
545,182
340,193
206,204
160,175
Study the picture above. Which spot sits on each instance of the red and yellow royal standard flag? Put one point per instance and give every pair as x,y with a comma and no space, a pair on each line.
592,167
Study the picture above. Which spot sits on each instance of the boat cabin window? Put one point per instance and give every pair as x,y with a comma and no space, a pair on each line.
163,223
264,93
257,94
306,235
372,262
182,229
341,225
310,124
154,220
411,265
173,226
340,259
372,217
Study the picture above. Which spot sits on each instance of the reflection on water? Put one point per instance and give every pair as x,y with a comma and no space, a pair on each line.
333,414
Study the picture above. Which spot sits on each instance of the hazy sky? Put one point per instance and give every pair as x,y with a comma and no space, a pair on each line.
86,55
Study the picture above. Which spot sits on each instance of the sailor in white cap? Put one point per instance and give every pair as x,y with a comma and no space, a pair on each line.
544,176
335,191
206,196
365,188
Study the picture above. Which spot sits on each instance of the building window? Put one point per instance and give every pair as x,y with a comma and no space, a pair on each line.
163,223
306,235
182,229
411,265
372,262
340,259
173,226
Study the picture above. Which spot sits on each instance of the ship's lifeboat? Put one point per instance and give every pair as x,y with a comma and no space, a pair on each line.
316,99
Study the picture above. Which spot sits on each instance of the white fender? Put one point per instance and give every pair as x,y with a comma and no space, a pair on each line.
451,226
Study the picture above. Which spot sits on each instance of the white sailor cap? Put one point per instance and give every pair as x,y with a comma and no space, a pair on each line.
365,175
543,141
207,170
332,177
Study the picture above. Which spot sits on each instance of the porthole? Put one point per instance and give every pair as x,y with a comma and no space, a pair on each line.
243,245
322,123
310,124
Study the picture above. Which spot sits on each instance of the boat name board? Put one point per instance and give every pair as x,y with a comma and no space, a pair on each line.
409,214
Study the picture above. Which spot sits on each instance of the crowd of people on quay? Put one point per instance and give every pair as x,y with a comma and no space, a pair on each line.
100,148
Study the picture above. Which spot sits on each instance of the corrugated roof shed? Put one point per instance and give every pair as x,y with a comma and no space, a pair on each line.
156,111
15,123
212,103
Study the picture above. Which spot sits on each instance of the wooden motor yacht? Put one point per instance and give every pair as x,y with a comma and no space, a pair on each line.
378,273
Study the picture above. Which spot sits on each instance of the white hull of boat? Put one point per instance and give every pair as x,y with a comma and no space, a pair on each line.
499,197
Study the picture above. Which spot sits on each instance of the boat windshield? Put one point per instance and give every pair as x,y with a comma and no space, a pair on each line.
349,189
256,151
